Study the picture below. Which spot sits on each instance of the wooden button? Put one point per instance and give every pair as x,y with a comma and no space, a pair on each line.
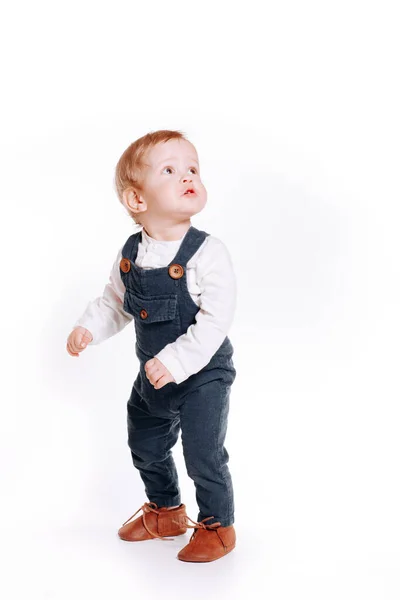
144,314
125,265
176,271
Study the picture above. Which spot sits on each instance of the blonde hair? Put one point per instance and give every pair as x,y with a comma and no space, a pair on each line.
129,169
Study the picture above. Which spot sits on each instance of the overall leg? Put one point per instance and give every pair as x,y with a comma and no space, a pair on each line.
204,420
150,439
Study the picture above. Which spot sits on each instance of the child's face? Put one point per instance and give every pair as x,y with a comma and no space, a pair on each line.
172,167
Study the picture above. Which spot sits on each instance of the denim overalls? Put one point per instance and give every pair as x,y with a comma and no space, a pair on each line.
163,310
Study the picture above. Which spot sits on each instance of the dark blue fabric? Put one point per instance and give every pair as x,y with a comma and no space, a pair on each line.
198,406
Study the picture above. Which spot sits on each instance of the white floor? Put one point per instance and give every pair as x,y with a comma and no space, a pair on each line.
92,562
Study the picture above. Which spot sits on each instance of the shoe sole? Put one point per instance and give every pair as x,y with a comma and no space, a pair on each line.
208,559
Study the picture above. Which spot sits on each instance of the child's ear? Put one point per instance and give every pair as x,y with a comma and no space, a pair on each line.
132,201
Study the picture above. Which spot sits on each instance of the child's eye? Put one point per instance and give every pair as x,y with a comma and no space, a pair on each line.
167,168
193,169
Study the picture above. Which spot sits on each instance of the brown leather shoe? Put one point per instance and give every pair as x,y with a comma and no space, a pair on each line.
154,523
208,542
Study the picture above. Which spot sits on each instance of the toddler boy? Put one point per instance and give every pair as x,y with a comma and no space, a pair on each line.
177,284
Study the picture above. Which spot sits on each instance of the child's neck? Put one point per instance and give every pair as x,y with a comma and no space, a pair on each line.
173,234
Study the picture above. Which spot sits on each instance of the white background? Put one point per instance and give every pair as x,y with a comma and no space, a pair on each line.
294,110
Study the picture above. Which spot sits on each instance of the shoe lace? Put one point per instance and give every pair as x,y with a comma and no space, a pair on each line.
201,525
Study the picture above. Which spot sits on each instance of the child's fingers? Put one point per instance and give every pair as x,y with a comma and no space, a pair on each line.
150,366
83,339
70,351
161,382
76,344
161,379
153,375
78,340
81,344
152,369
87,337
156,373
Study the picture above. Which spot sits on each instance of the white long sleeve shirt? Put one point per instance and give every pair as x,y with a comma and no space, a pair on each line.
212,285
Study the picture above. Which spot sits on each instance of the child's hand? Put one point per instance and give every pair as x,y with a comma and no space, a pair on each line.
157,373
77,340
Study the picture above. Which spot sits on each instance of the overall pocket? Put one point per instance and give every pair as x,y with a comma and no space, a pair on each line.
157,320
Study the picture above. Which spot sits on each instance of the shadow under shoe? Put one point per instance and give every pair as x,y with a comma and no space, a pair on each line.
154,523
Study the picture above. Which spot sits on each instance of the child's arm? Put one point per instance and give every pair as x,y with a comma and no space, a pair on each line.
105,316
216,279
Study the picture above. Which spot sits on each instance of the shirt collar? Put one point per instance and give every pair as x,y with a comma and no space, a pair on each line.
146,240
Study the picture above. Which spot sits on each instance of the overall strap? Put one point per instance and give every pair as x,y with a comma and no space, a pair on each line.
130,247
190,244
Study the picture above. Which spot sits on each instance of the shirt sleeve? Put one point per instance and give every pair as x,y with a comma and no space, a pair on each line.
105,316
216,279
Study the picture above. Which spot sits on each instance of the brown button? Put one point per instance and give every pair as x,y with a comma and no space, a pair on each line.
176,271
144,314
125,265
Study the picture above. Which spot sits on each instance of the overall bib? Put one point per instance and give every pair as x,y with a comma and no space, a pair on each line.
163,310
